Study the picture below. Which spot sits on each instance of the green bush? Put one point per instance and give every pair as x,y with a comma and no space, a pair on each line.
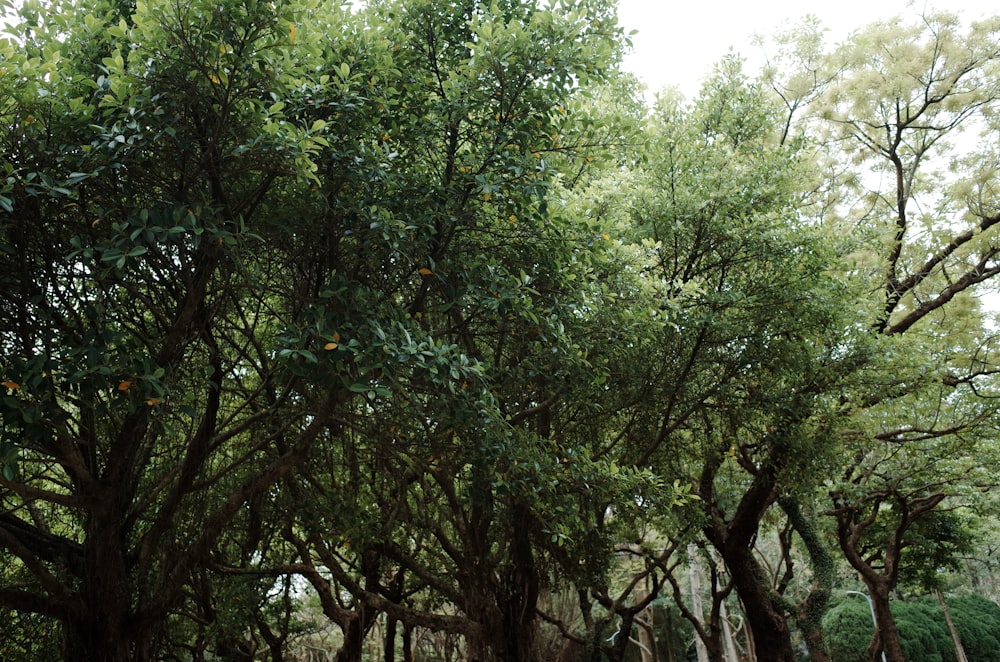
923,632
848,629
978,623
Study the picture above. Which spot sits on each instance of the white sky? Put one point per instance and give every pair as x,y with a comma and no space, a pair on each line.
680,40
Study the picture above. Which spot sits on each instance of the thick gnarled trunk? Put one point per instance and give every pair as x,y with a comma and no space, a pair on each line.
767,622
734,540
101,626
886,638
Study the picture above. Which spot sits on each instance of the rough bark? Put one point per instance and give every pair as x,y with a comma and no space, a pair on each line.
765,618
814,606
886,639
734,539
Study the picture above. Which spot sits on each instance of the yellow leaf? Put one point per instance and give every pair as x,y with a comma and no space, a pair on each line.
125,385
605,236
214,79
487,196
291,32
11,385
153,401
424,271
330,345
336,337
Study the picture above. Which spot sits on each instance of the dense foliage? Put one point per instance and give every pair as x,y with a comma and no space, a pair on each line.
411,329
922,631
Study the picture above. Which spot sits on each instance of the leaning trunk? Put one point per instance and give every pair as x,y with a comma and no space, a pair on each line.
959,649
766,620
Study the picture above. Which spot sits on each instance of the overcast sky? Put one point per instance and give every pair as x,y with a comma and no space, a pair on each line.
679,40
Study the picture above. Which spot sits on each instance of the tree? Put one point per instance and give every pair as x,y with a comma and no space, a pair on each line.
450,249
422,281
727,262
893,103
147,398
419,303
932,239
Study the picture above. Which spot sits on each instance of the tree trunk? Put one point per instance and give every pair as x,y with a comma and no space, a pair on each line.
645,622
520,598
646,639
355,632
407,643
390,639
751,654
97,638
102,627
734,540
814,606
505,603
959,649
106,634
351,649
766,621
886,638
694,579
728,636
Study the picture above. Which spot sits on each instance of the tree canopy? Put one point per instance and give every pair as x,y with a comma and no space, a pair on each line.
413,323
